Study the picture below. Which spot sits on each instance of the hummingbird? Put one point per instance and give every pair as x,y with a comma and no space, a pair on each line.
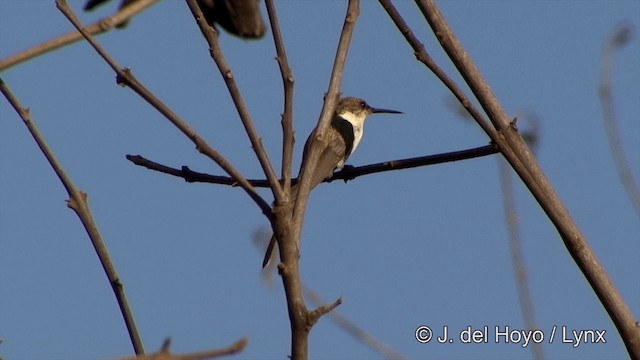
343,136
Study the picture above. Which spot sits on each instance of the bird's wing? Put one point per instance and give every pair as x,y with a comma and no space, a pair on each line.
332,156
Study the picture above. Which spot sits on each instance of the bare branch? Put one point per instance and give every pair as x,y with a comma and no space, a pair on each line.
517,258
347,173
287,81
125,77
165,354
287,229
354,330
330,102
619,38
99,27
315,315
522,160
78,203
216,53
422,56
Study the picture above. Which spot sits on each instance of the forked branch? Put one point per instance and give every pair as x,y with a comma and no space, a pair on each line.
216,53
125,77
165,354
519,156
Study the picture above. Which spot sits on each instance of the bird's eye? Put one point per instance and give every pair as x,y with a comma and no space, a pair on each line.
363,104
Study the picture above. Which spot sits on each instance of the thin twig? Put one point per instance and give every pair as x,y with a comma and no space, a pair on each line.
165,354
522,160
354,330
619,38
99,27
125,77
517,258
422,56
347,173
287,82
78,203
216,53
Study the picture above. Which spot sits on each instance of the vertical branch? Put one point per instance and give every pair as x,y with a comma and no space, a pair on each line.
618,39
330,102
287,81
522,160
288,229
216,53
78,203
517,260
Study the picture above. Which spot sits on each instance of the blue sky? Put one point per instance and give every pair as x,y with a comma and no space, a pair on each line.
425,246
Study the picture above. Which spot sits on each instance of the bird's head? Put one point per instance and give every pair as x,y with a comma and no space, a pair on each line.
356,110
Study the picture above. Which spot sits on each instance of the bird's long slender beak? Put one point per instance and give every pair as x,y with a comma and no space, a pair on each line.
385,111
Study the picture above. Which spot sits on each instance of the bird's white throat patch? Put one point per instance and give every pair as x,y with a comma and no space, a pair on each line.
357,121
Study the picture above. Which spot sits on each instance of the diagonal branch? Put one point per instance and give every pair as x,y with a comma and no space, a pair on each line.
216,53
522,160
354,330
125,77
330,102
78,203
422,56
99,27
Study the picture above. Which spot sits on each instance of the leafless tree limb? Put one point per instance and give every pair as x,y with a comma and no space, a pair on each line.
517,258
288,227
216,53
347,173
99,27
619,38
354,330
517,153
421,55
287,81
125,77
79,204
164,353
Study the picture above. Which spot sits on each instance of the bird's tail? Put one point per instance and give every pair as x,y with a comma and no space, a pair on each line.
269,252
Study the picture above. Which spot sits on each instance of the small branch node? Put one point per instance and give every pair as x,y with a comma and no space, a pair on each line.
513,124
314,316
